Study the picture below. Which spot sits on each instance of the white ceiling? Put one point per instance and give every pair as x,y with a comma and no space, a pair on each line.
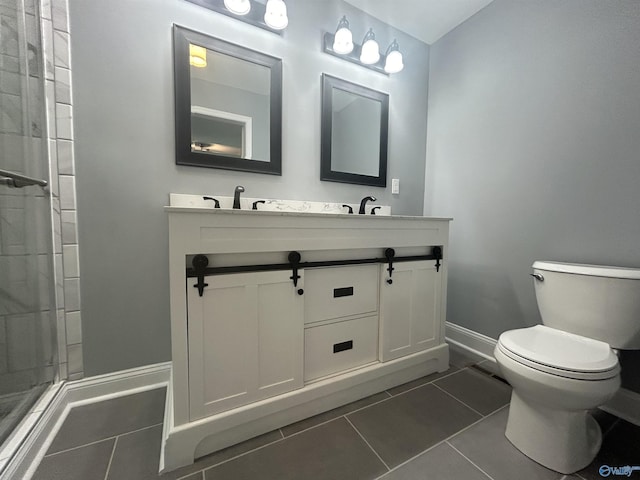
427,20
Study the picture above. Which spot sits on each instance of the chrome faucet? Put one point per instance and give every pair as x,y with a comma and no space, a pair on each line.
363,203
236,196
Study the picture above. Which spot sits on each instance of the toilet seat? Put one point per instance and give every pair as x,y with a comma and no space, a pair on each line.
560,353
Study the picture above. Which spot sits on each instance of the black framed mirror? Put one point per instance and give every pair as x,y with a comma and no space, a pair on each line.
354,133
228,105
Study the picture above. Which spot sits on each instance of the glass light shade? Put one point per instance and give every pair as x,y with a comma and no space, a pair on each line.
197,56
394,63
370,53
343,41
275,14
239,7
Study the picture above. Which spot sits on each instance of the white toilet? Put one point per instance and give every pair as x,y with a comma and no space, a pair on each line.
567,366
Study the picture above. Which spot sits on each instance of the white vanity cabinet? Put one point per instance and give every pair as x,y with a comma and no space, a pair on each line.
278,316
245,340
410,306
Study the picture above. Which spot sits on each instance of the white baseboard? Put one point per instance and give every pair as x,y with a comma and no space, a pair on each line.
625,404
38,432
471,341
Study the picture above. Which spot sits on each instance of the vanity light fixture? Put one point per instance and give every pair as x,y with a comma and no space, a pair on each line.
370,51
239,7
197,56
368,55
271,16
343,39
275,14
393,58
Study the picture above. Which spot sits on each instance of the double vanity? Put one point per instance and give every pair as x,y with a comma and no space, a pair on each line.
293,309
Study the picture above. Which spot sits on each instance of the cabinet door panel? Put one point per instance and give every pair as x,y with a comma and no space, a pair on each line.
409,309
245,340
280,337
395,312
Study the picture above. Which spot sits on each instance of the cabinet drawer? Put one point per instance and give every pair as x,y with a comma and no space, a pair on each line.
340,346
340,291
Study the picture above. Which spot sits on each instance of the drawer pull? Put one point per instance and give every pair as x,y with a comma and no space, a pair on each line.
341,347
342,292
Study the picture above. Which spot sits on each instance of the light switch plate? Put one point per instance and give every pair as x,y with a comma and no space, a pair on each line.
395,186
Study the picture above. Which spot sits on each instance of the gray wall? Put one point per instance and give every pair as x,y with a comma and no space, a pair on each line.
533,148
123,120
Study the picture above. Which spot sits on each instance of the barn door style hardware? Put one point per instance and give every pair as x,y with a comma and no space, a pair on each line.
200,263
201,269
294,261
389,253
437,252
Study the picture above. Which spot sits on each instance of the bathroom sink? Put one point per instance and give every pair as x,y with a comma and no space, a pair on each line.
270,205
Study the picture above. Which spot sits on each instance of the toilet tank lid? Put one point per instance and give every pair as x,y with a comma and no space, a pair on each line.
592,270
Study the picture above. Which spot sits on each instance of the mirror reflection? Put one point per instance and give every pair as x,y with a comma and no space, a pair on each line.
229,97
228,105
354,133
355,126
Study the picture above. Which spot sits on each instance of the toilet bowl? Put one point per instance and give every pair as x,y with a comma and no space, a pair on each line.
562,369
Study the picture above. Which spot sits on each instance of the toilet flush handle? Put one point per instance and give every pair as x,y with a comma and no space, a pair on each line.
537,276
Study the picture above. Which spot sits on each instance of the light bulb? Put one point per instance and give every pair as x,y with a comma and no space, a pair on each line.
370,53
275,15
343,39
394,62
239,7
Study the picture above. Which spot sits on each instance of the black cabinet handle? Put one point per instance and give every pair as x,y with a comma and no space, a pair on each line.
342,292
300,291
341,347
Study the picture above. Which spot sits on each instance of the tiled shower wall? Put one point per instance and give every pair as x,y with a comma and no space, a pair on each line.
26,301
58,99
42,35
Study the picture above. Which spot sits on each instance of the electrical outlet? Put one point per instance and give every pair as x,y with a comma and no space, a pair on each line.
395,186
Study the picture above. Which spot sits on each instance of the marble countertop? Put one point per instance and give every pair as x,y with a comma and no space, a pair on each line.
228,211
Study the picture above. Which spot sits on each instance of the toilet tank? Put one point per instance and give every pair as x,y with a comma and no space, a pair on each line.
594,301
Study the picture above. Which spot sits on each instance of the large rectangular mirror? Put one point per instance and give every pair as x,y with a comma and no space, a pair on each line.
228,105
354,133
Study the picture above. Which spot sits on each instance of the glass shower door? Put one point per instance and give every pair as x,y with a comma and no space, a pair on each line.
27,295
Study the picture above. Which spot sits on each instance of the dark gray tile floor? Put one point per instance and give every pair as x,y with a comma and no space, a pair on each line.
446,426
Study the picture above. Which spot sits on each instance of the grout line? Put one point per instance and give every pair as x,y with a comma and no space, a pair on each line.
340,416
201,472
242,454
102,440
442,441
79,446
469,460
368,444
456,398
427,383
113,451
611,427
